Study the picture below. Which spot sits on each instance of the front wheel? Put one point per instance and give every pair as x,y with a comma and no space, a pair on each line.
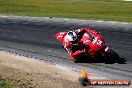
77,60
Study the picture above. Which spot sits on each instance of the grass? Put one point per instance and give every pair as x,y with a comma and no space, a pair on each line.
6,84
88,9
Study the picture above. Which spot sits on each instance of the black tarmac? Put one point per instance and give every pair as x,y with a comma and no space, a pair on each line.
34,37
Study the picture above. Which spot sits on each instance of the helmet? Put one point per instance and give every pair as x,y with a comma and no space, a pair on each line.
71,36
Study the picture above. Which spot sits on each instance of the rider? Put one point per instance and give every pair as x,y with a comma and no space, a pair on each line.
75,39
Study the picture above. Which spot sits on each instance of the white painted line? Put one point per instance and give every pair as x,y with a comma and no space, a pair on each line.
114,22
66,19
49,50
61,67
4,16
99,21
82,20
127,0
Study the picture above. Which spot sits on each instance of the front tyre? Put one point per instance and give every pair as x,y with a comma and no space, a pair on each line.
76,60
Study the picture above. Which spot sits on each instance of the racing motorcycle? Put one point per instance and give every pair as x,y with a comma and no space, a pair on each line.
97,48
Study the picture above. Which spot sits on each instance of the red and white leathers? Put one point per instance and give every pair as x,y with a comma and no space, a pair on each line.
84,40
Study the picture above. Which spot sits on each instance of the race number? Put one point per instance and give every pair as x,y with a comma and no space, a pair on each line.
60,35
99,42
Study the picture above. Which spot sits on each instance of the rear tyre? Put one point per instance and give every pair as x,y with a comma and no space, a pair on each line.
111,57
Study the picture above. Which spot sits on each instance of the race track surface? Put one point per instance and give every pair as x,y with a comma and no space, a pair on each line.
34,37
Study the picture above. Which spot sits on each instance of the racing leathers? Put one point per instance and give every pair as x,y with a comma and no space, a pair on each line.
83,42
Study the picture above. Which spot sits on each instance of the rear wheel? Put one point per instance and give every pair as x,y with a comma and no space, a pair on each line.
111,57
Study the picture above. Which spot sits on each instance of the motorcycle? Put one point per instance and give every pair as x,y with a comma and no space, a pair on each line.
97,47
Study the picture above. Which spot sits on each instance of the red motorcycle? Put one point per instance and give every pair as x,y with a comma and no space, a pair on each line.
97,47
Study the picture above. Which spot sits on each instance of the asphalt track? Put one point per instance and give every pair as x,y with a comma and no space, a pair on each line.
34,37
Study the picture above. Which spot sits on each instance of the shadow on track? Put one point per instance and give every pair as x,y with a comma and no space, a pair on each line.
114,58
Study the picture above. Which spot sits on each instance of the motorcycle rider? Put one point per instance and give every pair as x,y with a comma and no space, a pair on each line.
75,39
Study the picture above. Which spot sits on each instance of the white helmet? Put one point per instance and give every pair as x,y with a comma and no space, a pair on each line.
71,36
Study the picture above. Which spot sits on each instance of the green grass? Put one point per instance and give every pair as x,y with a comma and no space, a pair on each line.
88,9
6,84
